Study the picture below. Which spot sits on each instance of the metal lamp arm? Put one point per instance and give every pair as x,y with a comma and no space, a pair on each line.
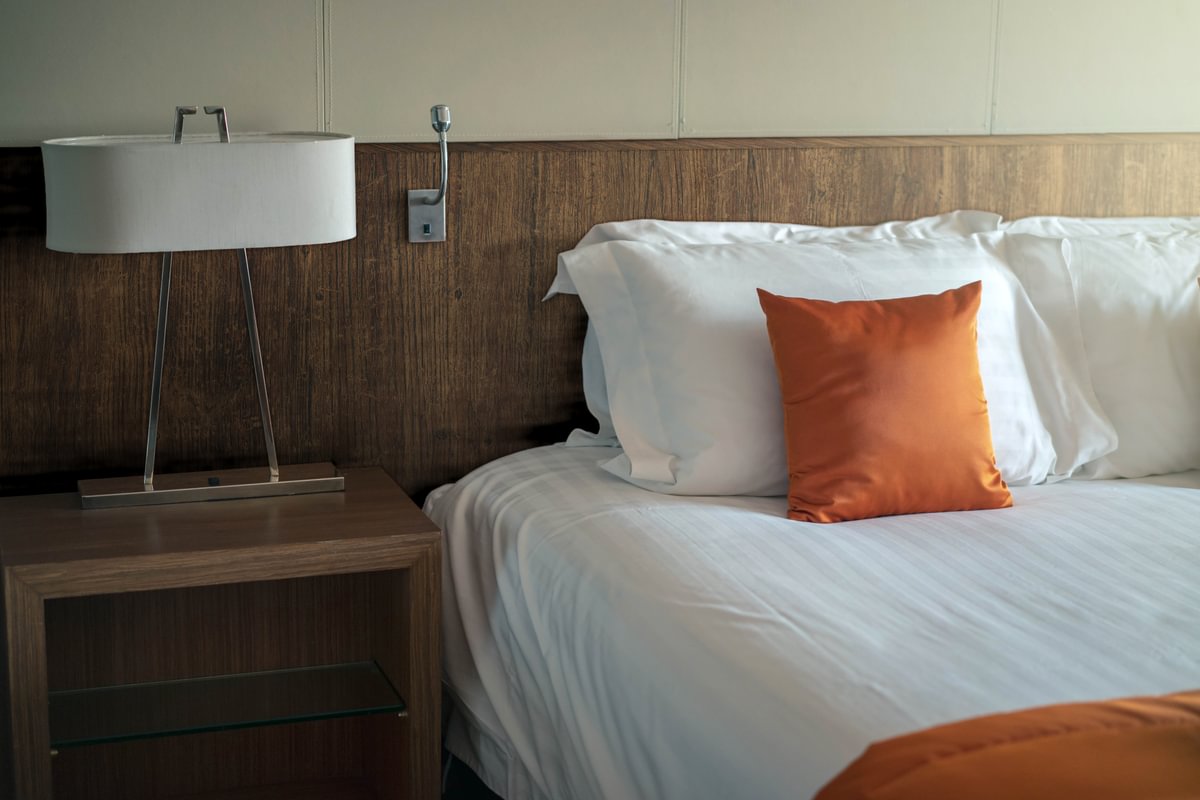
441,195
439,117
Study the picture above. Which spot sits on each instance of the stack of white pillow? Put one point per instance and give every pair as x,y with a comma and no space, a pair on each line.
1089,338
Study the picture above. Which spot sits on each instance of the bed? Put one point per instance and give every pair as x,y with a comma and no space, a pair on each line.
640,612
606,641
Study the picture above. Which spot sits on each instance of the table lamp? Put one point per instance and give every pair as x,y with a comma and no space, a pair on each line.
144,194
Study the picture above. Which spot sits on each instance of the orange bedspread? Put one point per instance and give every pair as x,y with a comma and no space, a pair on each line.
1140,748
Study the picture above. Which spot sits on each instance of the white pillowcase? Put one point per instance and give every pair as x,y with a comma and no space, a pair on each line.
1139,308
691,378
1136,304
1061,227
667,232
660,231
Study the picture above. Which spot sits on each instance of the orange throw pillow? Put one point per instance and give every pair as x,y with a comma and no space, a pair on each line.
884,409
1133,749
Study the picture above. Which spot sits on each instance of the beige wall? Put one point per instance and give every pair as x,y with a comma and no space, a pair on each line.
571,69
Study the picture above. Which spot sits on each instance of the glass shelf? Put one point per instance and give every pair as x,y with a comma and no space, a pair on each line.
198,705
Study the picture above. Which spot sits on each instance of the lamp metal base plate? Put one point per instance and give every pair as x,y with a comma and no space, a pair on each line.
190,487
426,223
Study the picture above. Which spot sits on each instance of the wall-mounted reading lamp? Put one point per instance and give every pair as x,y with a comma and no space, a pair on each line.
427,207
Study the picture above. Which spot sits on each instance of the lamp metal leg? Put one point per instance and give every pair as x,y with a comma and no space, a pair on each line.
225,484
160,342
260,380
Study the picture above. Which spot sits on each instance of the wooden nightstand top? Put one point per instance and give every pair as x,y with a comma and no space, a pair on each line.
49,540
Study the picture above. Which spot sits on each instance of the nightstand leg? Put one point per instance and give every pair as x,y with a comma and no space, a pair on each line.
404,756
25,764
425,659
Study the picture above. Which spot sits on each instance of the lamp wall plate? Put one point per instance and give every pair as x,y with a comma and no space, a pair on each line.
427,207
426,223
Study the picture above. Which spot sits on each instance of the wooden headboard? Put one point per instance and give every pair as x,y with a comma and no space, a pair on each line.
431,359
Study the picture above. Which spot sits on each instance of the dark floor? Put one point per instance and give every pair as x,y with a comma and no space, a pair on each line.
462,784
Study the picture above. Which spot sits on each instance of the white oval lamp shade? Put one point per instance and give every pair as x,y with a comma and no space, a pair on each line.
144,194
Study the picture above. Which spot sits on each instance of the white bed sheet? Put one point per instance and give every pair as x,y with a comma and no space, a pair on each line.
603,641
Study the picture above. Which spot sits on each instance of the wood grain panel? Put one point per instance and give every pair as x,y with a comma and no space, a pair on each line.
217,763
106,640
314,790
213,630
431,359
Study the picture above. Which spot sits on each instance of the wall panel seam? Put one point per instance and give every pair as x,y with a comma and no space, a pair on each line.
319,71
823,133
326,65
680,59
419,136
994,78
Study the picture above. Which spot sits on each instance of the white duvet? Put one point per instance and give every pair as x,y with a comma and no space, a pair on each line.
603,641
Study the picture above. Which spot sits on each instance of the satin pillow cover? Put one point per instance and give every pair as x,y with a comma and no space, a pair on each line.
691,377
669,232
884,410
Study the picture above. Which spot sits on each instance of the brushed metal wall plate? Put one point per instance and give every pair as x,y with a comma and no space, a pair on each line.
426,223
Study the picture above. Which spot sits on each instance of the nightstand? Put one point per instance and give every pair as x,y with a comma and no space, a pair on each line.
272,648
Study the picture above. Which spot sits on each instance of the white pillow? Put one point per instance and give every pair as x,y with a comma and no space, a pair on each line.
595,394
1040,266
660,231
667,232
691,379
1100,226
1139,309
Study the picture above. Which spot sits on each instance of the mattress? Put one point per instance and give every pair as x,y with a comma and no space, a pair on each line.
603,641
